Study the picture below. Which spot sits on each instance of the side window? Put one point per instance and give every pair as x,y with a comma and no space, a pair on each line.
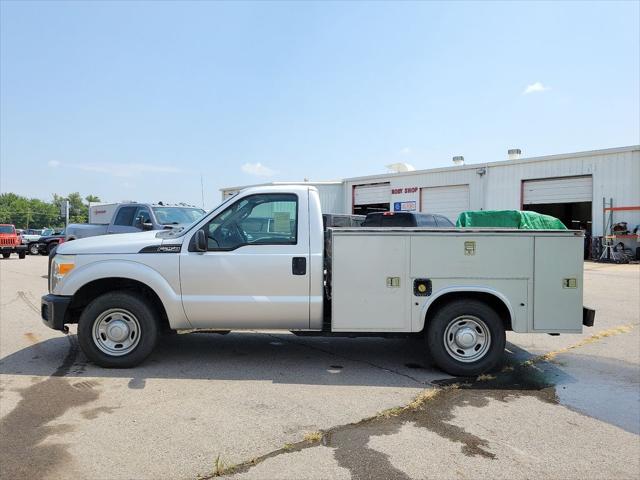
266,219
142,216
444,221
125,216
426,221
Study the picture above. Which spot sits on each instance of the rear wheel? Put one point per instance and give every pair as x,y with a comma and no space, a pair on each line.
118,330
33,249
466,338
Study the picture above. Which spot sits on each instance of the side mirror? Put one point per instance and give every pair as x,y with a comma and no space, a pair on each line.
147,226
200,241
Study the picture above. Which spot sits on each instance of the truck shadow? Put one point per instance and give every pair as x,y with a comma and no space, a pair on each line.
276,357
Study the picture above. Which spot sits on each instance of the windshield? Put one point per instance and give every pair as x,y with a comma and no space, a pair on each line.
6,229
177,215
47,231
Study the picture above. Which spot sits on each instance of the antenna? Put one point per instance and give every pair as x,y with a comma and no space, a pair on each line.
202,190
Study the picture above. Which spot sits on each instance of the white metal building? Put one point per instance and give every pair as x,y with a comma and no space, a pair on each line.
569,186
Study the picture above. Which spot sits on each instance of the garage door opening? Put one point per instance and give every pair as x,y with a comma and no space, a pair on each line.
369,208
569,199
575,216
373,197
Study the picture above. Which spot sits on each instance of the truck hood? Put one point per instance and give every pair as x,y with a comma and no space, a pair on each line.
119,243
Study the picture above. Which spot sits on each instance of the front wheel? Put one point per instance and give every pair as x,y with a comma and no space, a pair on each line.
466,338
6,255
118,330
33,249
22,254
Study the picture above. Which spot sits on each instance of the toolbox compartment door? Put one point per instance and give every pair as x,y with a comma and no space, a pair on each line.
558,268
370,290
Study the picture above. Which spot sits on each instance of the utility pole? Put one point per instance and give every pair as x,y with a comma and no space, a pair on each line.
64,211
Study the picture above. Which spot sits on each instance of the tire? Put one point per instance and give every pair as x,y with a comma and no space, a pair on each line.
133,314
6,255
22,254
33,249
480,332
50,247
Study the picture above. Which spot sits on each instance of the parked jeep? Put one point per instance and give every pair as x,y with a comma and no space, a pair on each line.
10,242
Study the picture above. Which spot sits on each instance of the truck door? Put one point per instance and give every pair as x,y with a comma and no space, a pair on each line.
254,273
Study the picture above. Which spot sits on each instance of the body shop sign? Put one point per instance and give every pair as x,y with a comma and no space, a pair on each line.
400,191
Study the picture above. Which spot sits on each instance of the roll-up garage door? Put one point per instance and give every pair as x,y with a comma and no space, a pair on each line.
448,201
372,193
558,190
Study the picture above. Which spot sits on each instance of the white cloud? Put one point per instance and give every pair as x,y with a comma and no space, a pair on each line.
124,169
535,87
117,169
405,151
257,169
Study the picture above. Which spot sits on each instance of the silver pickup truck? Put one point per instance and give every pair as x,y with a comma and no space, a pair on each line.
263,260
137,217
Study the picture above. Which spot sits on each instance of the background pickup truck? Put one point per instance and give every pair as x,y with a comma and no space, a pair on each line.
262,260
136,217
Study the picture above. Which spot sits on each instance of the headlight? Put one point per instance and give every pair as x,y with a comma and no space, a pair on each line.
61,265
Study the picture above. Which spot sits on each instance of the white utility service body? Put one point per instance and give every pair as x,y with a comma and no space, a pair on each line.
262,260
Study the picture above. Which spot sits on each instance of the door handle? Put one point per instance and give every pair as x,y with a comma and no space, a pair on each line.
299,266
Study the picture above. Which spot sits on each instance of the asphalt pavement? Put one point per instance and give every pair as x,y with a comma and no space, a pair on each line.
272,405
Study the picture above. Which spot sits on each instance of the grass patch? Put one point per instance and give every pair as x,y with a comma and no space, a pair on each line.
485,377
313,437
422,398
221,468
549,356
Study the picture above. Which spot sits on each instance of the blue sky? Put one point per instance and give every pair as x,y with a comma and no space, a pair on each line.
137,100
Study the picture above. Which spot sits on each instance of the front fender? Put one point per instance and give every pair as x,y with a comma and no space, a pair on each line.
462,289
84,274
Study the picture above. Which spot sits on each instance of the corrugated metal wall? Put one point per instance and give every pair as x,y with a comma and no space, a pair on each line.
614,175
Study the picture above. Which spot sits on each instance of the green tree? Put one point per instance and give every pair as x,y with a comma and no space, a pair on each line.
26,212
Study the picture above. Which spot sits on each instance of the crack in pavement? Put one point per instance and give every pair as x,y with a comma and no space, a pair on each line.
25,298
350,441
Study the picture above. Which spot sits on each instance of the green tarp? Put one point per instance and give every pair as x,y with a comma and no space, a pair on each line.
509,219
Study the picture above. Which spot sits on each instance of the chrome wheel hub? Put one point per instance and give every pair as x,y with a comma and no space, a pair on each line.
467,338
116,332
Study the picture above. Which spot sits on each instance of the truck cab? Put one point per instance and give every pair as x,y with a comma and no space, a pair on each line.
262,260
133,217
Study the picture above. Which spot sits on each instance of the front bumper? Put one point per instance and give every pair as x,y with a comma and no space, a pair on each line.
13,248
53,310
